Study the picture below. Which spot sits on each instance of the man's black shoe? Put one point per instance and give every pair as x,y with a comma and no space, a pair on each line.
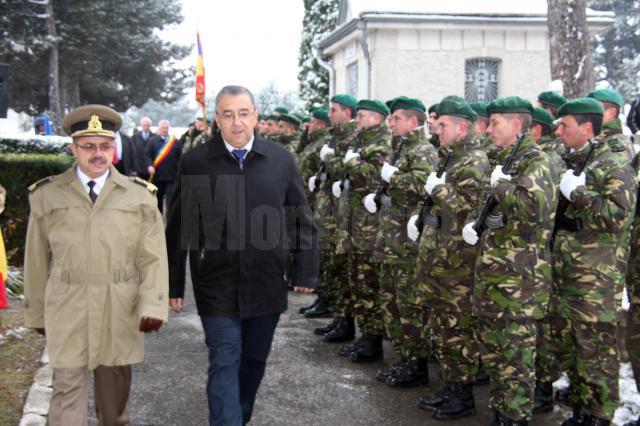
459,404
344,331
500,420
384,373
306,308
563,394
345,350
433,401
543,398
370,350
321,331
482,378
319,311
414,374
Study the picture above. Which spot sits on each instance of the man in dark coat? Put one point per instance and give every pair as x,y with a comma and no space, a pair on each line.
140,140
163,151
125,159
238,209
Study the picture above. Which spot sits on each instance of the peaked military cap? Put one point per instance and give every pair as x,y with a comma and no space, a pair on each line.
480,108
457,109
581,106
402,102
552,99
92,120
373,105
281,110
290,119
607,95
345,99
510,104
542,116
321,114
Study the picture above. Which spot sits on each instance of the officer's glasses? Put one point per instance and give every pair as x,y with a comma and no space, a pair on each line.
243,115
93,147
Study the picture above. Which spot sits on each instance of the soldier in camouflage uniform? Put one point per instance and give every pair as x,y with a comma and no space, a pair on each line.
289,130
404,317
551,101
432,123
611,132
273,131
588,257
357,229
335,272
194,136
446,262
480,126
513,272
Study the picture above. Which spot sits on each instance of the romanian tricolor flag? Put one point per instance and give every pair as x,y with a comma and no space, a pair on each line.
200,75
3,274
164,150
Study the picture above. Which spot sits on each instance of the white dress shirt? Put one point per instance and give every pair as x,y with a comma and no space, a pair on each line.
100,181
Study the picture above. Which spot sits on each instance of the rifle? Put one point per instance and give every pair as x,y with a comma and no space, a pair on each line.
497,221
425,211
321,176
381,197
563,222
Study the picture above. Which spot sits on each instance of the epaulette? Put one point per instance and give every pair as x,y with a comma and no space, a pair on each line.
150,187
41,182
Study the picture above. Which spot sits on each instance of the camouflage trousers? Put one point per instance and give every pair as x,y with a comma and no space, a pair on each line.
547,368
364,282
458,350
588,352
405,321
339,277
633,340
326,281
508,350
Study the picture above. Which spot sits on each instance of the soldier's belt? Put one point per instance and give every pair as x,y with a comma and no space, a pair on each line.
75,277
495,221
385,200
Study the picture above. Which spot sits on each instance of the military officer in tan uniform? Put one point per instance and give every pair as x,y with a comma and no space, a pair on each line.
95,272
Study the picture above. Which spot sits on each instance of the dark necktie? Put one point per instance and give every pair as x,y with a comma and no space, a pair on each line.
239,154
92,194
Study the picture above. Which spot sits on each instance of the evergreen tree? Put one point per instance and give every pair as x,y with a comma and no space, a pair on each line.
319,20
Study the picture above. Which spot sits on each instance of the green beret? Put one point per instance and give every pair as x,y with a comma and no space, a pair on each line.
402,102
453,98
390,102
321,114
192,123
346,100
433,108
282,110
552,99
457,109
290,119
607,95
480,108
542,116
306,118
510,104
273,117
373,105
581,106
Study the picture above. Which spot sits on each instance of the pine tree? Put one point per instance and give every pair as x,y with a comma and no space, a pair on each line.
319,20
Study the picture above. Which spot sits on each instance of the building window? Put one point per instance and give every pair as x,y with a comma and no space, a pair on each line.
481,79
352,79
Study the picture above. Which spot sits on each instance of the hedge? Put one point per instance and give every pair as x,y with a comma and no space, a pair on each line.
17,172
34,144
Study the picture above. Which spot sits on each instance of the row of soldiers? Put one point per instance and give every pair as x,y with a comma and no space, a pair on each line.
502,234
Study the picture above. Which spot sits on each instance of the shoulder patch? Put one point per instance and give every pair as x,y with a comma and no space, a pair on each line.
40,183
150,187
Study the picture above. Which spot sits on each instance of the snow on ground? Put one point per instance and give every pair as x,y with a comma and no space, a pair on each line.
16,333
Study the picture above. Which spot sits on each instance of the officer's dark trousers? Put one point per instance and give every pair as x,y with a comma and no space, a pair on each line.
238,351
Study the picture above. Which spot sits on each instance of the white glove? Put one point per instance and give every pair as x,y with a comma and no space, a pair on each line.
433,180
335,188
350,155
469,235
570,182
325,150
412,230
387,171
497,174
369,203
312,184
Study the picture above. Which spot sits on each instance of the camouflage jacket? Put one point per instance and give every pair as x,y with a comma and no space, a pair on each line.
588,277
191,141
612,134
290,142
406,190
633,273
556,151
486,144
309,159
513,272
357,228
443,252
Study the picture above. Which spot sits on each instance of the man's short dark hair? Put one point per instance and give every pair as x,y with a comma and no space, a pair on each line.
544,129
470,129
607,105
352,112
421,116
233,90
525,119
594,119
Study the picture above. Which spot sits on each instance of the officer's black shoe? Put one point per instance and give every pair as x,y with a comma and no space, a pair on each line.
306,308
500,420
319,311
433,401
414,374
370,350
578,418
543,398
345,350
384,373
344,331
321,331
482,378
459,404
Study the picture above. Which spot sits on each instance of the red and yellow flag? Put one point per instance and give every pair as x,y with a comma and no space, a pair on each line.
3,274
200,93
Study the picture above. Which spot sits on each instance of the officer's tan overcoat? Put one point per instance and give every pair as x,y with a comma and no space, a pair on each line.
92,271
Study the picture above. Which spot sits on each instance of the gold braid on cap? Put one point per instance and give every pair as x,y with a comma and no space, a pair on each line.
94,127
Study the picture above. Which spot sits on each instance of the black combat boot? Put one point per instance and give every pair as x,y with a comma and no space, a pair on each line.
370,350
321,331
384,373
306,308
543,398
595,421
482,378
345,350
459,404
321,310
414,374
344,331
433,401
501,420
578,418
